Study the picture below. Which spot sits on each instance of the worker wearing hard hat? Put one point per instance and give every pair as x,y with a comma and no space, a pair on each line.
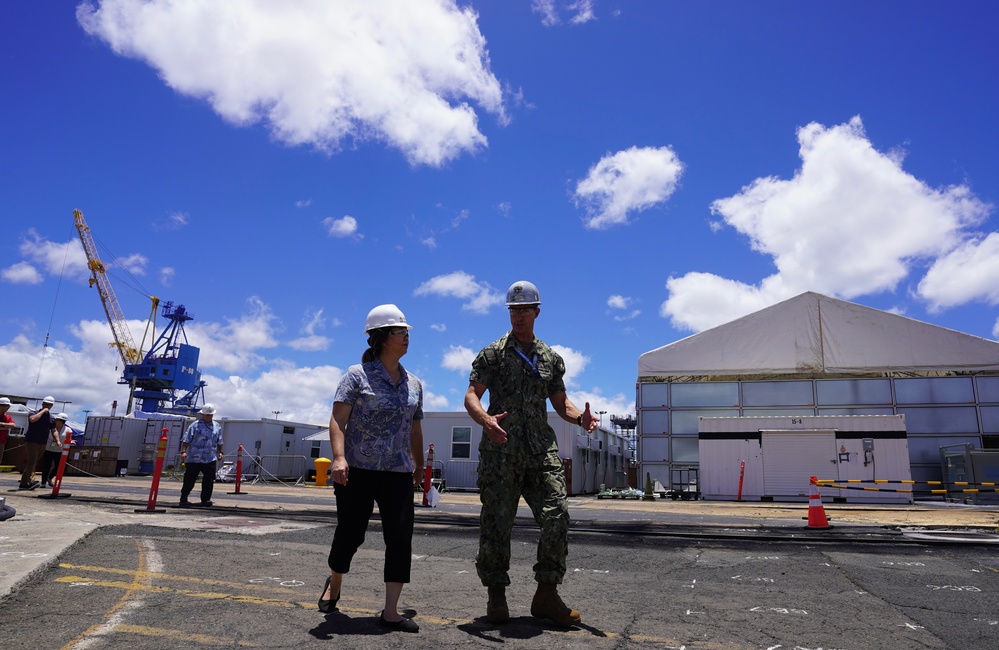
39,426
376,434
53,448
6,424
518,456
200,450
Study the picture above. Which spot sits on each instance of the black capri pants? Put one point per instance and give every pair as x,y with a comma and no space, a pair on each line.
393,492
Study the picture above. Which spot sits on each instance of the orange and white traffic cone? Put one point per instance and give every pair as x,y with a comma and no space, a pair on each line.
816,513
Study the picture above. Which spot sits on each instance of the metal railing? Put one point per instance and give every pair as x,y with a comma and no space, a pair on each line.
461,474
289,470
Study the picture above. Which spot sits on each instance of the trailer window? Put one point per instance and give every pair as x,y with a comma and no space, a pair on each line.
461,442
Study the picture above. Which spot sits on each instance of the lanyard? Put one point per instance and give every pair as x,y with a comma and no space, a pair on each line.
532,362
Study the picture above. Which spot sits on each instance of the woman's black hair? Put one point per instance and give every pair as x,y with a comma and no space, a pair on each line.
376,339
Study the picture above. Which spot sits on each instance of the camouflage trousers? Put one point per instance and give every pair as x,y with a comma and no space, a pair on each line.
503,479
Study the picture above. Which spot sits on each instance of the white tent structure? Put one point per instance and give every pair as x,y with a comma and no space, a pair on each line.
813,356
815,334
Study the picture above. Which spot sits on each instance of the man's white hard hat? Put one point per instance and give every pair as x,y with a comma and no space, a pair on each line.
48,399
207,409
4,401
61,416
385,316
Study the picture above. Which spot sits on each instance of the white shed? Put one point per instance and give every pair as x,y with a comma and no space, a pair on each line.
782,453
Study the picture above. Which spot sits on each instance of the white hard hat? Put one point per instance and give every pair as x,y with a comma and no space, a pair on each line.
61,416
207,409
522,292
4,401
48,399
385,316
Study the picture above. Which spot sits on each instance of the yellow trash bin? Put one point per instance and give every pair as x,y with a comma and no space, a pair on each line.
322,466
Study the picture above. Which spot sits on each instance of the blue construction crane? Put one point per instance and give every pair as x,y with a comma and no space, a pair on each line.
170,366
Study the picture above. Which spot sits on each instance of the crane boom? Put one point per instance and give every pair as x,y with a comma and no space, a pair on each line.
123,340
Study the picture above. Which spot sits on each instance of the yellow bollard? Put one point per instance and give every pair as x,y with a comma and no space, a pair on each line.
322,466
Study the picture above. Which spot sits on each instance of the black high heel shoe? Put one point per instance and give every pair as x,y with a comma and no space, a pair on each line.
327,606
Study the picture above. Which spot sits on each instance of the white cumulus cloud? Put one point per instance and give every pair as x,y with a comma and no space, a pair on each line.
21,273
622,303
616,404
850,222
346,226
311,340
575,364
404,72
969,272
301,394
619,302
627,182
478,296
233,346
55,258
459,358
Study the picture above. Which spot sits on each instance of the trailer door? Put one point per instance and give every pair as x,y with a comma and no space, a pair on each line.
791,457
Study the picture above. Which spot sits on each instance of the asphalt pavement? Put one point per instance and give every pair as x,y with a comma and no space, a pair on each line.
43,527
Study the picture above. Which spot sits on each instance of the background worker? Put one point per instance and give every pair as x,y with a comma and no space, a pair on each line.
53,448
518,456
376,433
6,425
200,448
35,438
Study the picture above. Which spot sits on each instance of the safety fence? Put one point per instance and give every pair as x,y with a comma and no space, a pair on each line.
461,474
981,487
288,470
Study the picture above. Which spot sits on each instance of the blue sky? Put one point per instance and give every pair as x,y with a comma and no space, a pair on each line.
656,168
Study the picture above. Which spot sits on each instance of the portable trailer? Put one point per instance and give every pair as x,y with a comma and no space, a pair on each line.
782,452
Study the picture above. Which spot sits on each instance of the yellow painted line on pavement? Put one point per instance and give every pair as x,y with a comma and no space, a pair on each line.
271,602
110,619
167,576
137,586
191,593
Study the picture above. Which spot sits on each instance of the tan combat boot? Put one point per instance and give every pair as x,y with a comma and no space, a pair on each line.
548,604
496,608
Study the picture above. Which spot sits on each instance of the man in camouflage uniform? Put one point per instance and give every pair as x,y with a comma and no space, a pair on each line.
518,456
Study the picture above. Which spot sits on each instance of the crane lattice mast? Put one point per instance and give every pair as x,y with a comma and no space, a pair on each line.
123,340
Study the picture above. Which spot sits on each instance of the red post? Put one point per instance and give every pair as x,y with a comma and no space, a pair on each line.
154,489
742,475
62,468
239,468
428,474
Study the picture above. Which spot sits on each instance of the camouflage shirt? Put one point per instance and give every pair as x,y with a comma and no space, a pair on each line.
520,383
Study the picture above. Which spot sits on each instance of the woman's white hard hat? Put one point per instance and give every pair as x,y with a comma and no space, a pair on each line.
385,316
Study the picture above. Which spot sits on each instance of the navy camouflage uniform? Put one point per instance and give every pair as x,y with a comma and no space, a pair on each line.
520,382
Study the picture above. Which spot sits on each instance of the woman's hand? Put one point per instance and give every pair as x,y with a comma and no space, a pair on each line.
340,470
